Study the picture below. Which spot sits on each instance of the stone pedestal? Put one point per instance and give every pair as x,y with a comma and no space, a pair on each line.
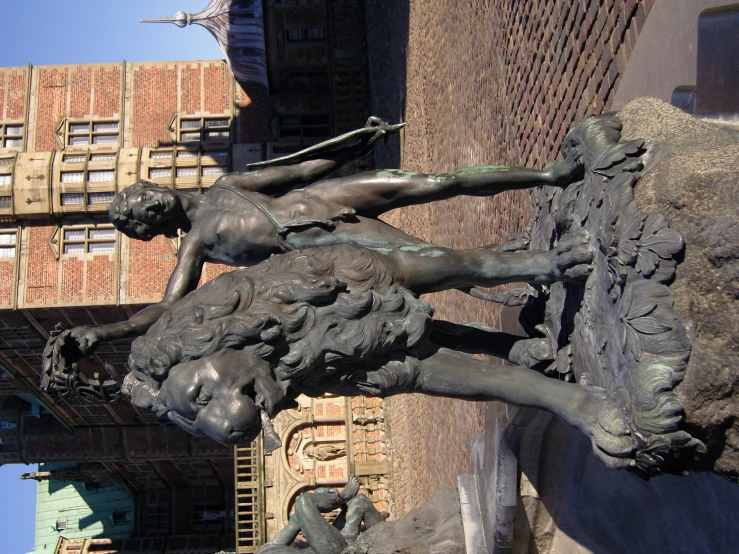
691,176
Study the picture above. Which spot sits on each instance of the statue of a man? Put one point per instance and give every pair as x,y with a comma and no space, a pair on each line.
246,217
322,536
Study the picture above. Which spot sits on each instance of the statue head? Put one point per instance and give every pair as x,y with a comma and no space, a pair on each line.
234,352
222,396
145,210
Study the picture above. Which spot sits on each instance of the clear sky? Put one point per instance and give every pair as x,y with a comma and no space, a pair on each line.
47,32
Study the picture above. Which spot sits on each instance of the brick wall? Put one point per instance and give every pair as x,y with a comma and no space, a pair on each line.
149,266
255,112
151,111
7,281
217,96
42,269
190,89
161,90
13,88
72,280
78,91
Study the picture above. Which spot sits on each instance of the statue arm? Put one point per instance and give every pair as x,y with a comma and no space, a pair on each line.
279,176
276,181
184,279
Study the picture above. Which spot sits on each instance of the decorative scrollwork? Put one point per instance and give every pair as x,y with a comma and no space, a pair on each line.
619,330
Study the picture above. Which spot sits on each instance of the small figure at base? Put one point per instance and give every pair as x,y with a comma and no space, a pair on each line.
324,537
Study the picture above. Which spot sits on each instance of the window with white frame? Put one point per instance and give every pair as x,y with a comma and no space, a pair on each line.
203,129
183,167
6,182
11,135
8,243
85,178
295,35
314,34
80,133
88,239
302,35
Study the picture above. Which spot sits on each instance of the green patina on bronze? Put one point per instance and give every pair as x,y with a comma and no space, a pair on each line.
399,173
478,169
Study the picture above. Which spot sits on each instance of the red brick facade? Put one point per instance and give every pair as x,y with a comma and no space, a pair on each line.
47,277
42,284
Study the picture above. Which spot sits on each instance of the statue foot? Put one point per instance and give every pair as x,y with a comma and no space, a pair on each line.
351,489
571,259
533,353
605,423
569,170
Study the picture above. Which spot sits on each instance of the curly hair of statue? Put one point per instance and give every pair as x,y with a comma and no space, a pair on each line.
307,310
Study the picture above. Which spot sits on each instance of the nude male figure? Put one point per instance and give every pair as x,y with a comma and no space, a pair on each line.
322,536
244,218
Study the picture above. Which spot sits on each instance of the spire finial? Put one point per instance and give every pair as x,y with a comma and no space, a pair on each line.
181,19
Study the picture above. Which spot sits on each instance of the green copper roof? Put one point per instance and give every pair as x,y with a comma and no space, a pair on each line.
75,510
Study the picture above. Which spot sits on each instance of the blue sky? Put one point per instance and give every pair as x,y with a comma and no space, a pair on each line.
47,32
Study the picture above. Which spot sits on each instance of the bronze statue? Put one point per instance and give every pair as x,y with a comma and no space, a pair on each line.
322,536
246,217
335,308
342,319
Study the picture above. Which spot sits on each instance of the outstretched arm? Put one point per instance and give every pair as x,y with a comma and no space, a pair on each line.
277,177
184,279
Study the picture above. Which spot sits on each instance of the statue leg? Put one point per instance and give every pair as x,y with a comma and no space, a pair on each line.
321,535
429,268
476,338
287,534
456,375
358,509
375,192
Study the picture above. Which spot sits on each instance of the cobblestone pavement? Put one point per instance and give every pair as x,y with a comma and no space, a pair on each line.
480,82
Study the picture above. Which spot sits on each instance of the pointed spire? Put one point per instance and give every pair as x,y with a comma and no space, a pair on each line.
181,19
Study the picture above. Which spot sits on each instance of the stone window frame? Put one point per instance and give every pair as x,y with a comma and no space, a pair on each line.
6,136
88,241
311,34
7,173
294,35
166,166
204,126
82,183
69,129
315,34
9,247
304,128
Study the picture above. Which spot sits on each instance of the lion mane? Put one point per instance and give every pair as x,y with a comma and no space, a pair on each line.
309,313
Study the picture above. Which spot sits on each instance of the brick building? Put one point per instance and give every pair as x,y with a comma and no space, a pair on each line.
73,136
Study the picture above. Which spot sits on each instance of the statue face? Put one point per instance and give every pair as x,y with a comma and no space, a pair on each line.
217,395
154,206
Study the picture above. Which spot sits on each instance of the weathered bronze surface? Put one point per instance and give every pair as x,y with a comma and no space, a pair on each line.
330,302
322,536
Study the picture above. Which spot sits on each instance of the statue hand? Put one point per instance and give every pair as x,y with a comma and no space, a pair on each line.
382,128
87,339
63,349
567,171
